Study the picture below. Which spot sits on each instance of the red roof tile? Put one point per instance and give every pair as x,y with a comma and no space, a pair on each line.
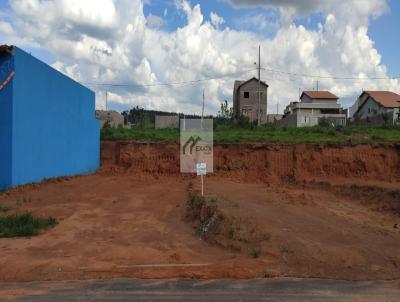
320,95
387,99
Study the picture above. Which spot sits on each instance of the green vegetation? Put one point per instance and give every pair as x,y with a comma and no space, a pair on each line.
196,202
4,208
255,252
266,134
21,225
156,135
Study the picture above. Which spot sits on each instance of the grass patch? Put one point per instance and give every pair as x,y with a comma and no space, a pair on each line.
137,134
4,208
228,134
24,225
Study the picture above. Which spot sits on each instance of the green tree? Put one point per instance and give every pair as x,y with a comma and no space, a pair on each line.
226,112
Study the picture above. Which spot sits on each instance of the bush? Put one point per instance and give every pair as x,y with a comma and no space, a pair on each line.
255,252
323,122
22,225
195,203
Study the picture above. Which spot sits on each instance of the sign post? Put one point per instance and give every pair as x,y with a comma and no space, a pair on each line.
201,171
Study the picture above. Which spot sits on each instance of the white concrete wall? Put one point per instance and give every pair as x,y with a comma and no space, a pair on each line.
166,121
305,118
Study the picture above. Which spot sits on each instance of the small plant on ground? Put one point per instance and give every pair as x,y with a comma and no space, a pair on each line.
235,227
195,203
205,212
266,236
255,252
4,208
285,249
24,225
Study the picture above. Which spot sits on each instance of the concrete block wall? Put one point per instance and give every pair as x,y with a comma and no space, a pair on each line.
166,121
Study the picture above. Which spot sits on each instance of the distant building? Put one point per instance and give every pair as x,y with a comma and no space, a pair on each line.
313,106
377,107
48,126
246,99
114,118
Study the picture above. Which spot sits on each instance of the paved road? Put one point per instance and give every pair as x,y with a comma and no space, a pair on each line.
276,290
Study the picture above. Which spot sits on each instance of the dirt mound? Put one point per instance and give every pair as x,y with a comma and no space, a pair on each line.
262,162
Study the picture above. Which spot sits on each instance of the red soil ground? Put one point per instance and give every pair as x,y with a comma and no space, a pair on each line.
129,220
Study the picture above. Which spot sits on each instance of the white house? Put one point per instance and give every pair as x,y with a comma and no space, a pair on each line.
377,107
313,106
114,118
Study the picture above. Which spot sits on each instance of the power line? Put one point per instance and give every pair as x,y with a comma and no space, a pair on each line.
274,71
168,83
328,77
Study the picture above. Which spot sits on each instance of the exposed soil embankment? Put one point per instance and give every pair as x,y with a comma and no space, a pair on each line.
338,216
264,162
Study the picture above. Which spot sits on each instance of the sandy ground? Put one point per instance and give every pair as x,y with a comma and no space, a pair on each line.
125,226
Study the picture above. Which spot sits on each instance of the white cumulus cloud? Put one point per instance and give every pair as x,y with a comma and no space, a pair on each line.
111,41
216,20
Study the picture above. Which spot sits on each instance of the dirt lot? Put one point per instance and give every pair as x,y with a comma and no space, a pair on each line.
121,225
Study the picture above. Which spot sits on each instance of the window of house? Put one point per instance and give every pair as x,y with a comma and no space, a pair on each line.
246,94
369,110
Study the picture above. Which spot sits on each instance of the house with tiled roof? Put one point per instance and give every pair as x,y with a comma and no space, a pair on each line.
313,107
378,107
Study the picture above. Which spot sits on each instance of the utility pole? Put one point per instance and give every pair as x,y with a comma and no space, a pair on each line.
317,85
107,113
259,85
202,110
277,108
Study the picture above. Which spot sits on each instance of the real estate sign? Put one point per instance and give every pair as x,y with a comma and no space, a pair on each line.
196,144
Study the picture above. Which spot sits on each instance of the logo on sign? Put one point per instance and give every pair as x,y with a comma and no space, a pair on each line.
196,144
192,142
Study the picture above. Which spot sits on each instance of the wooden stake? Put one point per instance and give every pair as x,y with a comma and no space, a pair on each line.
202,186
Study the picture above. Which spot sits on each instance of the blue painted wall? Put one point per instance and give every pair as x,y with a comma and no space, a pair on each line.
6,66
54,128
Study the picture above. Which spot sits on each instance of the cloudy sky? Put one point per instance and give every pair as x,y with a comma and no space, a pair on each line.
132,48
